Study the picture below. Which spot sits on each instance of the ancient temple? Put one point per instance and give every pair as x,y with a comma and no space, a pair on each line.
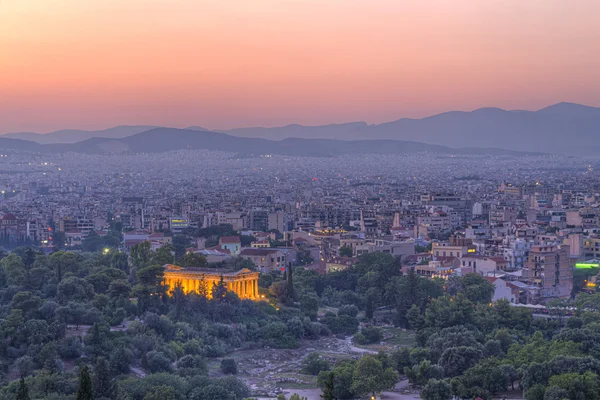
243,282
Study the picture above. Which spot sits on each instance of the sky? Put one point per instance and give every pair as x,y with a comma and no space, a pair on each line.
92,64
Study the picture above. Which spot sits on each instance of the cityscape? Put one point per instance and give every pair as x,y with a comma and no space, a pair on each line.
448,249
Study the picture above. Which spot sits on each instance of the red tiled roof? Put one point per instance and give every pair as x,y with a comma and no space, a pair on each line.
229,239
9,217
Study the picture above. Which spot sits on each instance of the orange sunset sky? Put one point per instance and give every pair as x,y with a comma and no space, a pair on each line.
92,64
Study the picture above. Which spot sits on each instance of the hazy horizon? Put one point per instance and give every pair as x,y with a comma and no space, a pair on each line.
217,129
94,64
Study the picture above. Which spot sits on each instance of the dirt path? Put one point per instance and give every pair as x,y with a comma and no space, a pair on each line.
353,349
315,394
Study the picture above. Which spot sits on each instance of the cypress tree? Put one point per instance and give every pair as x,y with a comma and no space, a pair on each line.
22,392
104,386
84,391
328,390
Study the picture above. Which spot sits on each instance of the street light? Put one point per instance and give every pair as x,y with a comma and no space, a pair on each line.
106,250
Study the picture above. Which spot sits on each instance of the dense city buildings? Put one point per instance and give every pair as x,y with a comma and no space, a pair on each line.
507,222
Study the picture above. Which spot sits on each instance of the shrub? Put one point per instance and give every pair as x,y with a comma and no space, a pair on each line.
228,366
313,364
369,335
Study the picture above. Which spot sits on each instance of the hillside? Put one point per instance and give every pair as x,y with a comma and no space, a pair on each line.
74,135
168,139
563,128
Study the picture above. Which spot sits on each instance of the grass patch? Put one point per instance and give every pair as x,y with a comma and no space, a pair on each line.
398,337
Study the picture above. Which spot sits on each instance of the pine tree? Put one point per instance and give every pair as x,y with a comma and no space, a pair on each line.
203,290
22,391
328,389
219,291
84,391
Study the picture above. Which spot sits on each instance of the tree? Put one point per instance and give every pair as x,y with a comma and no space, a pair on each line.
74,289
212,392
555,393
63,261
84,391
192,259
309,305
296,396
141,254
342,379
422,372
119,288
456,360
180,244
28,258
409,291
535,393
120,360
228,366
313,364
437,390
59,239
157,361
370,377
15,319
151,276
304,257
448,311
162,392
119,260
371,298
477,289
328,387
192,365
14,269
102,382
346,251
163,255
368,335
578,386
72,313
26,302
291,293
22,391
219,291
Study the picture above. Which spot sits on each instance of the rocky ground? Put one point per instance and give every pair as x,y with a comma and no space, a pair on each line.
271,371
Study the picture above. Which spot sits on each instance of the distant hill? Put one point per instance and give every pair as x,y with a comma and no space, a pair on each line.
19,145
348,131
197,128
74,136
564,128
167,139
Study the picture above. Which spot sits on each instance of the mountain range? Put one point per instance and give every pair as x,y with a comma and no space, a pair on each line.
74,135
167,139
564,128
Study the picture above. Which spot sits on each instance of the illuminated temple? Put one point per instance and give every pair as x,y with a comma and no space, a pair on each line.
243,282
